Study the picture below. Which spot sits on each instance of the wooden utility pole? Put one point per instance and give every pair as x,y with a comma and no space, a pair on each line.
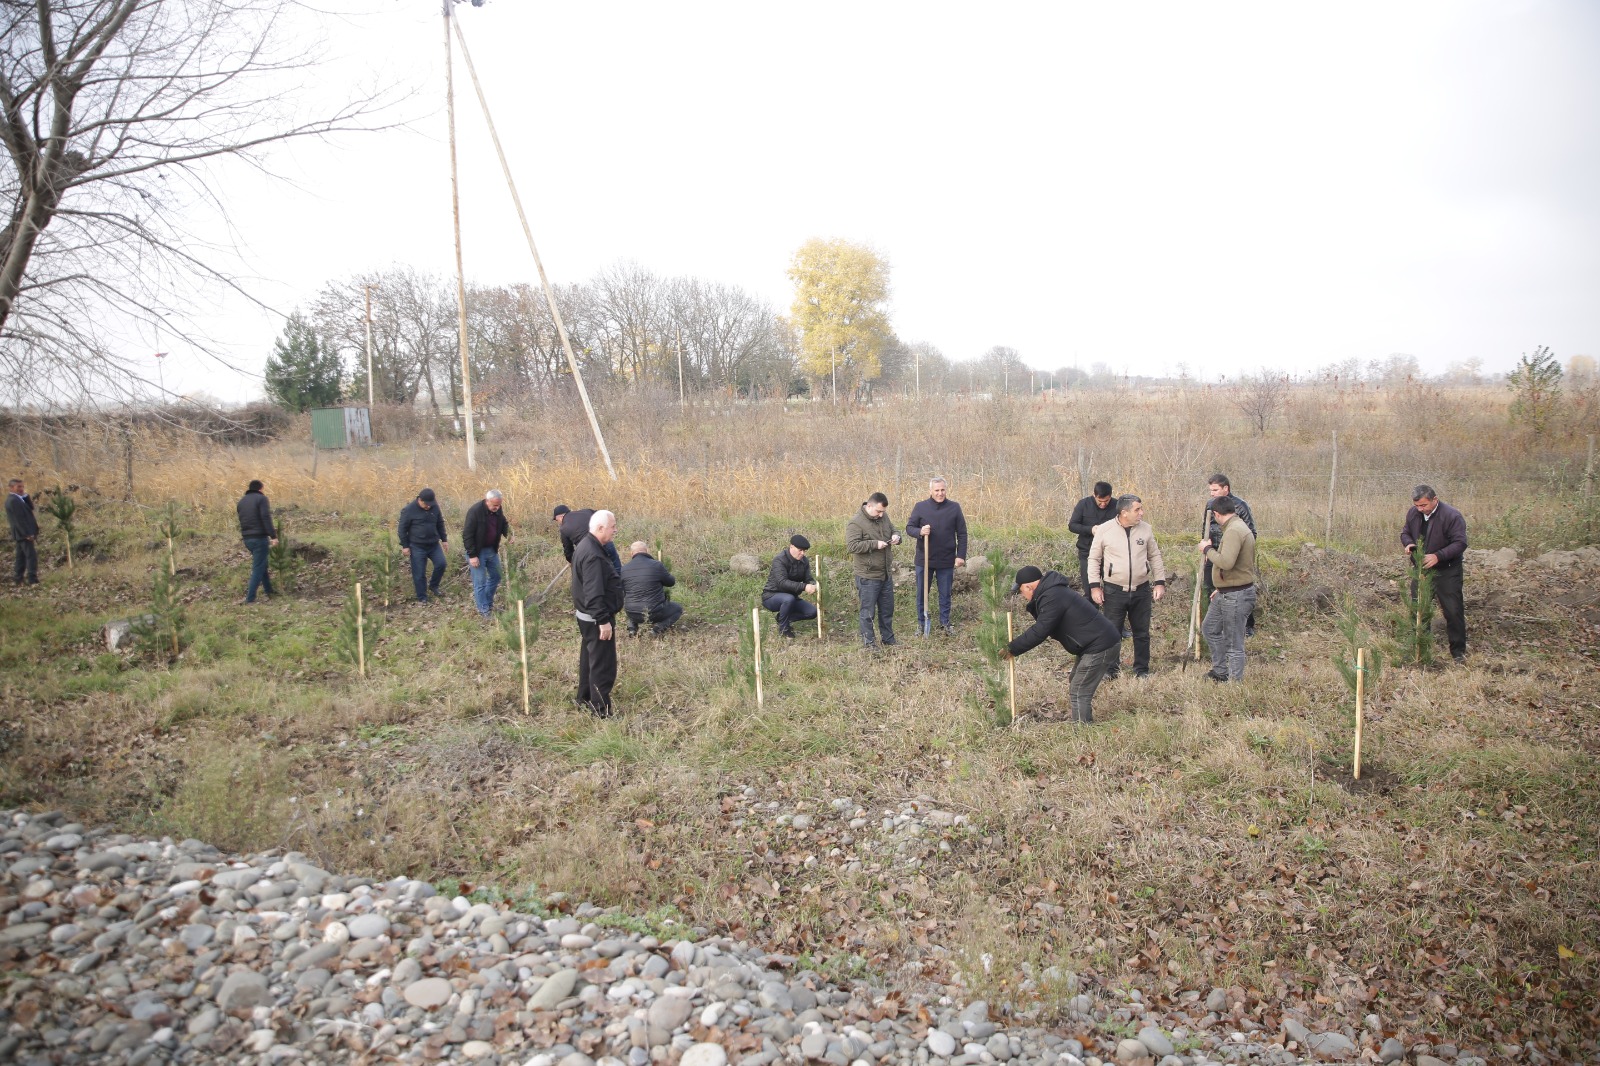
455,215
367,291
680,369
544,280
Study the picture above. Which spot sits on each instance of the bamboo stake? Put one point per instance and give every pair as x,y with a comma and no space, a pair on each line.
1361,677
755,622
818,576
1011,669
361,633
522,641
927,572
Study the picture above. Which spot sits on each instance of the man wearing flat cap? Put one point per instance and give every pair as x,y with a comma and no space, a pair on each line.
422,539
1077,624
788,579
573,526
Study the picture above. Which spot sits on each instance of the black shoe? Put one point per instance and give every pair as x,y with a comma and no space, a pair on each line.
1460,657
1111,675
890,643
1219,678
948,630
1138,674
786,631
1249,631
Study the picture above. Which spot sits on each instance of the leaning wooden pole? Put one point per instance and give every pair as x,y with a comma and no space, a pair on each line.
755,624
522,644
361,633
1011,671
544,280
1361,677
455,213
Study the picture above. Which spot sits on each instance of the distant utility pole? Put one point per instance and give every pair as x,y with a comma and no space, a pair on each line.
367,291
917,354
455,211
161,375
680,369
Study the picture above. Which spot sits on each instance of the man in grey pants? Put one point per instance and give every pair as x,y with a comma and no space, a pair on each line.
1077,624
1233,570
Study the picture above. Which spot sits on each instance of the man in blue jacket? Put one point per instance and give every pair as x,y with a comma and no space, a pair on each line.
1077,624
1442,532
422,538
938,523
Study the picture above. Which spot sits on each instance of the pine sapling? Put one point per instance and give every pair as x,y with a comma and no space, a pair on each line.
385,565
282,559
1355,636
992,639
1414,625
163,626
357,631
742,669
62,507
514,579
171,527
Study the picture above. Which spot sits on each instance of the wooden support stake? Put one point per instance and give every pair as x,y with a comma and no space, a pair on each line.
819,597
1011,669
927,572
1361,677
361,633
755,623
172,558
522,641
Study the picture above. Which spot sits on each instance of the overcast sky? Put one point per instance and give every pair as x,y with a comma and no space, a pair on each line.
1225,186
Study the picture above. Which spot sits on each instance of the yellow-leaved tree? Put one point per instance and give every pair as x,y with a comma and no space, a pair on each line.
839,292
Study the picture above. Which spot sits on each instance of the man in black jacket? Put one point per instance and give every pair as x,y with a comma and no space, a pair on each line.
645,581
481,533
573,526
938,523
259,535
1090,512
1077,624
788,579
422,538
1442,532
24,530
596,599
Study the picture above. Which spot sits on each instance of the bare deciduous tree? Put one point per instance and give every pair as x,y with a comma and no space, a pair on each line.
118,118
1260,397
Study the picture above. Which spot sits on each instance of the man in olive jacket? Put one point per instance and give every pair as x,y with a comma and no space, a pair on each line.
1076,624
938,523
1233,570
596,600
789,578
1442,532
869,538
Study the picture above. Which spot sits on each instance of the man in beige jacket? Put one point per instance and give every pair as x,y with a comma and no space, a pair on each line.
1126,577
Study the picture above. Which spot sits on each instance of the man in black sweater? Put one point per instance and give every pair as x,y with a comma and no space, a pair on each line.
422,538
259,535
788,579
573,526
939,523
1077,624
24,530
1090,512
645,581
1441,530
596,599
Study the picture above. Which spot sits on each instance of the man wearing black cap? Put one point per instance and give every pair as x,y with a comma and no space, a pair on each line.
574,526
788,579
1061,613
422,538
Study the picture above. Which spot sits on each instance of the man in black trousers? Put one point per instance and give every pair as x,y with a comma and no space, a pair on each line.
645,581
1091,511
1442,532
596,601
24,530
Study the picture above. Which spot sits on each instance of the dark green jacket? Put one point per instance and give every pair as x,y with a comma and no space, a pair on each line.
861,538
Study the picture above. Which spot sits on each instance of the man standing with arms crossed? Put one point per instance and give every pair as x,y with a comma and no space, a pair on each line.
938,523
1126,578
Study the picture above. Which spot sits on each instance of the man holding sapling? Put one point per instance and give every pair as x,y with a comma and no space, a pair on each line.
481,534
596,601
870,538
573,526
422,539
1090,512
645,581
1126,577
24,530
260,535
789,578
1233,568
1217,485
1442,532
938,524
1076,624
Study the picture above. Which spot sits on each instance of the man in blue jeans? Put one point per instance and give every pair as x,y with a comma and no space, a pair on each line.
938,524
480,535
789,578
870,539
257,531
422,539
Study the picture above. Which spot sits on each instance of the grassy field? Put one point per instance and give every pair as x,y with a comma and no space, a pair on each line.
1199,836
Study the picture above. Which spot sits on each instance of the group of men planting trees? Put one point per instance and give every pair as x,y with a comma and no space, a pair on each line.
1120,575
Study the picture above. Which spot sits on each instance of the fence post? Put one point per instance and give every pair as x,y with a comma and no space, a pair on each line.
1333,480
